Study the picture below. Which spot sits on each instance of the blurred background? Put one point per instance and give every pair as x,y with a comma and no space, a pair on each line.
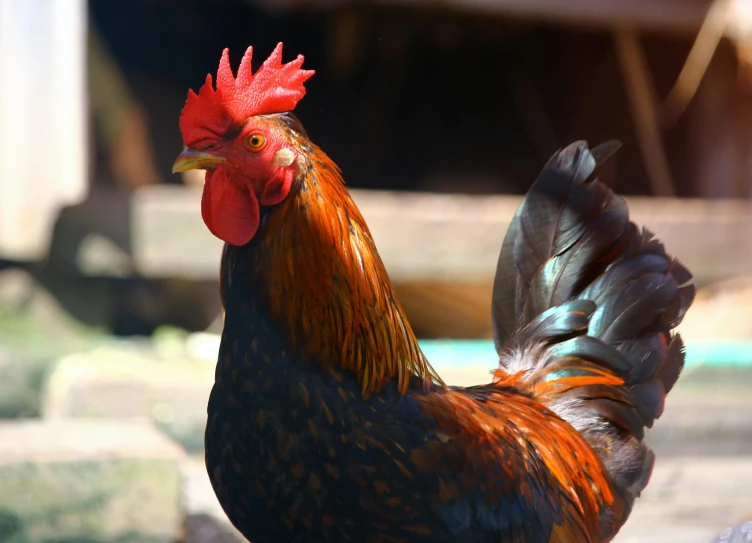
441,114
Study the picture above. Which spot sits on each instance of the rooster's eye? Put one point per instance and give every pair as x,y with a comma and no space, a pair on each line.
256,141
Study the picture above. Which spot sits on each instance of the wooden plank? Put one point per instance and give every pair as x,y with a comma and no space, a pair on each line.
675,16
644,105
443,237
684,16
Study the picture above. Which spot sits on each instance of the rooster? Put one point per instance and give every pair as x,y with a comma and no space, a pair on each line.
326,423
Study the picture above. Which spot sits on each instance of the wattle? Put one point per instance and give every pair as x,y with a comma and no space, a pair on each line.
229,209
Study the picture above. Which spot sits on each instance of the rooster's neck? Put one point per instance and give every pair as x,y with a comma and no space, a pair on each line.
320,280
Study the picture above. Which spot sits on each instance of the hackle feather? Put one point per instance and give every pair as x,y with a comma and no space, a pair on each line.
328,286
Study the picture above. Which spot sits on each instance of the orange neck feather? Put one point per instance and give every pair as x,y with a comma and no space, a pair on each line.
328,287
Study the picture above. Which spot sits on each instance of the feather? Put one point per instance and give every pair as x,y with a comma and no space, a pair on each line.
568,318
650,400
503,299
557,279
602,152
545,224
590,348
626,312
645,354
669,371
604,367
617,275
618,414
564,225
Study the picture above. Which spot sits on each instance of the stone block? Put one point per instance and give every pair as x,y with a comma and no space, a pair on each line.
166,384
89,481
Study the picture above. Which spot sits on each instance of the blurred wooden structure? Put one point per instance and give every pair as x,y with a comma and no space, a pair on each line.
670,78
651,15
716,77
723,166
440,249
528,76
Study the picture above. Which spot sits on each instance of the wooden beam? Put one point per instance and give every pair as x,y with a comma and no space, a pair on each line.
708,37
441,237
683,16
644,106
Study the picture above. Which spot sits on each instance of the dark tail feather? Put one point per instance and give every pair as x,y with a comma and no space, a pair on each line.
584,303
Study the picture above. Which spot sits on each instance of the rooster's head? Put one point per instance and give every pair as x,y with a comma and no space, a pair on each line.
236,133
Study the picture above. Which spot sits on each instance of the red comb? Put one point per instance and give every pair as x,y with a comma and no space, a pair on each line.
274,88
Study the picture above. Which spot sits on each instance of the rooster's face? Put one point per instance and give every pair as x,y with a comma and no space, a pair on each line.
239,133
250,166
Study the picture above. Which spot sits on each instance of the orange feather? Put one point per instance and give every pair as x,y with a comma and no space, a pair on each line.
480,421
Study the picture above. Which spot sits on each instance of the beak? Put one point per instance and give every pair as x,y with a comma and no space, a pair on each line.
191,159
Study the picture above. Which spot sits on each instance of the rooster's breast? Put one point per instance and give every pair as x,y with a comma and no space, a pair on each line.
295,455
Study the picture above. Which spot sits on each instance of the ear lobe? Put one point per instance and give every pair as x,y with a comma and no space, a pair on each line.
277,188
283,157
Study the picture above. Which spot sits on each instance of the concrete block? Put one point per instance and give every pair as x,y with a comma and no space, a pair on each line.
707,414
127,380
89,481
690,499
